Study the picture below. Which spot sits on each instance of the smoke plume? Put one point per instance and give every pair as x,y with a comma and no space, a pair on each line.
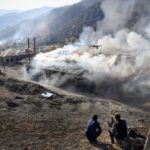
120,66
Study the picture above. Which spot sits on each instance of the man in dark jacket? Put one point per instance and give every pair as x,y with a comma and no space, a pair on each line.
119,129
93,129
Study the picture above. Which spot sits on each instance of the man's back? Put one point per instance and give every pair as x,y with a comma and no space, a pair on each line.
93,129
120,129
92,126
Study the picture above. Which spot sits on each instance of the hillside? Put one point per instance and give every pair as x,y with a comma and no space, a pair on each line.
30,121
87,17
51,26
14,25
47,26
5,11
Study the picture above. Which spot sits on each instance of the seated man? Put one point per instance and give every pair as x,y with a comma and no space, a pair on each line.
93,129
119,129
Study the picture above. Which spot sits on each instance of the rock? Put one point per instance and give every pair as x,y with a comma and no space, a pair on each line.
134,141
132,144
12,104
19,97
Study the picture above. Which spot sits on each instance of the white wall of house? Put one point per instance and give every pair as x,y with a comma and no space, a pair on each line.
11,59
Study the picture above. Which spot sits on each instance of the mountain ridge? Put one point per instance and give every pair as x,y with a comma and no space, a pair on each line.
54,20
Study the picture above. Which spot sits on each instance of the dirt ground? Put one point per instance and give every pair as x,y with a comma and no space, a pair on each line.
29,121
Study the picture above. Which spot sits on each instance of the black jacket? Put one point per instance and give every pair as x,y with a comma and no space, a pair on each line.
120,129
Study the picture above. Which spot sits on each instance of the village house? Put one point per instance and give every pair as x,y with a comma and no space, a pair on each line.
12,56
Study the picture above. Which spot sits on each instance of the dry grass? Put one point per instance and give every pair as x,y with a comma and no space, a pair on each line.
57,123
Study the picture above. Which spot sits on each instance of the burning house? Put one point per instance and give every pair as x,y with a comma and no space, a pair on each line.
70,72
68,78
120,69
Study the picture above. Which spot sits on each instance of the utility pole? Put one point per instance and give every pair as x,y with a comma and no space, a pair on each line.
28,49
28,43
34,46
2,61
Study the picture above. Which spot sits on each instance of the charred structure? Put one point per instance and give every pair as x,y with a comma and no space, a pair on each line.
80,80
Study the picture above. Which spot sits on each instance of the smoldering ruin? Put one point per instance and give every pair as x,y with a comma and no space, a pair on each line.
75,78
117,70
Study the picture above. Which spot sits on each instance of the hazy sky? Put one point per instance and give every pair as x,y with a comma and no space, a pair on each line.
30,4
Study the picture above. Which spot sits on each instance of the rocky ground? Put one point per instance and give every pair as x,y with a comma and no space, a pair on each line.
29,121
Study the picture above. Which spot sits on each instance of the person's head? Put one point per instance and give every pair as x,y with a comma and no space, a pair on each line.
94,117
117,117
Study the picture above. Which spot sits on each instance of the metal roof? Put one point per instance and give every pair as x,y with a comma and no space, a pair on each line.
14,52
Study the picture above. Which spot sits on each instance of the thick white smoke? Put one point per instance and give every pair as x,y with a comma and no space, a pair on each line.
124,55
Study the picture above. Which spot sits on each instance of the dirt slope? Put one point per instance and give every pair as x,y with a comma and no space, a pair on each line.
31,122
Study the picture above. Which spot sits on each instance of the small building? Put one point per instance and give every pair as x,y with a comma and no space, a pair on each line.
11,56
